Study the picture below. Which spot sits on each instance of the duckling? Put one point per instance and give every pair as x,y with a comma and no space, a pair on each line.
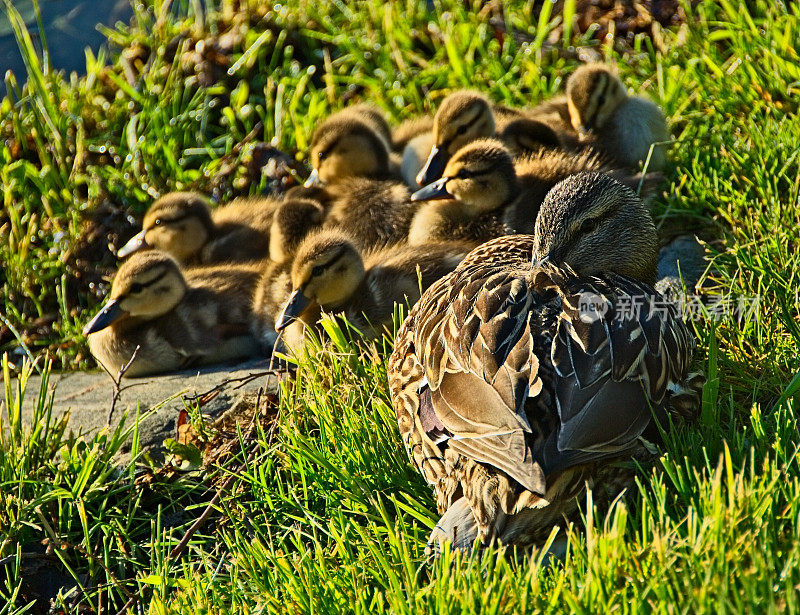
465,116
518,379
330,274
621,126
292,221
484,194
177,319
351,143
183,225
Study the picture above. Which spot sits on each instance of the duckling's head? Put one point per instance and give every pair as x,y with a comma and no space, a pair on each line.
462,117
480,177
178,223
346,145
326,271
147,285
292,221
595,224
594,93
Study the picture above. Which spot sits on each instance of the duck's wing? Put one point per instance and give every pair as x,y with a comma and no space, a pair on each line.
613,364
474,342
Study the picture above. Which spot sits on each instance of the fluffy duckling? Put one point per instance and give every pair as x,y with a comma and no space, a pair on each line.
183,225
358,142
484,194
177,319
329,274
622,127
293,220
518,380
466,115
354,142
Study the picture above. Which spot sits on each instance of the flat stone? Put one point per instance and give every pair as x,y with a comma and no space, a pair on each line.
87,396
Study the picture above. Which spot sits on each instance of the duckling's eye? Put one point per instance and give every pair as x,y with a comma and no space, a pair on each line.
461,129
318,270
158,222
464,174
601,100
587,226
136,288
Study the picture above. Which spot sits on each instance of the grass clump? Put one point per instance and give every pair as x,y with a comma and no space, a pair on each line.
325,514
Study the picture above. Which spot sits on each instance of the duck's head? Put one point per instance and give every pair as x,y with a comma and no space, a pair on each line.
462,117
594,92
595,224
178,223
346,145
480,177
326,271
293,220
148,285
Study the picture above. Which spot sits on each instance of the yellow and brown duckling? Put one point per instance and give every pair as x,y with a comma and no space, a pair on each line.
329,274
483,193
622,127
466,115
354,142
184,225
177,318
518,379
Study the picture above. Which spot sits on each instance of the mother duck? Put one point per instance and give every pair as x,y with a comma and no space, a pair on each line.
522,377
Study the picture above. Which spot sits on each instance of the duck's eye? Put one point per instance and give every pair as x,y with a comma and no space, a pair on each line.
601,100
318,270
158,222
461,129
136,288
590,225
321,156
463,174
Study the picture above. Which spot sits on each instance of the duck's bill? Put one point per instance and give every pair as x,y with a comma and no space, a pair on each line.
313,180
111,312
434,166
135,243
297,304
435,190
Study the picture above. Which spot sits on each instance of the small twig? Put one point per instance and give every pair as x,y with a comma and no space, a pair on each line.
117,380
242,380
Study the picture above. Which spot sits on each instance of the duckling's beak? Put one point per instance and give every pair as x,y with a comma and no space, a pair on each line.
297,304
111,312
134,243
583,132
436,190
313,180
434,166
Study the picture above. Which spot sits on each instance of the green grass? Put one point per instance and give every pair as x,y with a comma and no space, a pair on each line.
329,516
